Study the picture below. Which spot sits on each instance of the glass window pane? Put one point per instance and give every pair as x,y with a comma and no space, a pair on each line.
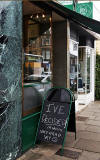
73,73
88,70
37,64
48,54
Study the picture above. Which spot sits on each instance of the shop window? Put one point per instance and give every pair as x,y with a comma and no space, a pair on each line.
37,61
88,70
73,73
84,70
73,65
46,53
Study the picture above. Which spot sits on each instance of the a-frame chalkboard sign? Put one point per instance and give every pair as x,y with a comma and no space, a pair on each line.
54,118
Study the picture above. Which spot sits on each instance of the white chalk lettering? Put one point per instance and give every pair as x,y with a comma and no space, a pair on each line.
59,135
54,139
42,131
61,110
47,138
55,108
53,121
48,107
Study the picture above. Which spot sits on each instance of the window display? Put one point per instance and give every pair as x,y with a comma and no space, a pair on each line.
84,69
37,61
73,65
73,73
38,51
88,70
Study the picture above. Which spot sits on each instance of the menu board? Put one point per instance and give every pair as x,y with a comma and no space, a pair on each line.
53,122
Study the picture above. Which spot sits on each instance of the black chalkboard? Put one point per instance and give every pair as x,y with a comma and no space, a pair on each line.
54,117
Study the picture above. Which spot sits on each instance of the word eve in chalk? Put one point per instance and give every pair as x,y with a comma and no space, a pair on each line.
55,109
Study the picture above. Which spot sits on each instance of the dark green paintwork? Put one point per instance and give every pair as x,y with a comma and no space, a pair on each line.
29,127
86,9
97,83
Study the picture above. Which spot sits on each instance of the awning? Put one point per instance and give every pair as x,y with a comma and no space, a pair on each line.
85,22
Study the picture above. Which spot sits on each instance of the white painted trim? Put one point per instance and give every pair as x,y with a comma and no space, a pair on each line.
86,47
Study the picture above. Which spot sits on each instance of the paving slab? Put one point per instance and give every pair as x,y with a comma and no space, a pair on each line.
86,114
91,128
88,135
55,157
89,156
93,122
70,141
74,149
80,126
31,156
92,118
96,114
88,145
87,142
97,118
46,149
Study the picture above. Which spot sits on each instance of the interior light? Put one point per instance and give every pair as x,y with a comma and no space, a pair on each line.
31,16
43,15
50,19
37,16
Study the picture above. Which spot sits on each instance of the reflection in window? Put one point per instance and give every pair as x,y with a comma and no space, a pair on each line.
84,69
37,61
88,70
38,52
73,73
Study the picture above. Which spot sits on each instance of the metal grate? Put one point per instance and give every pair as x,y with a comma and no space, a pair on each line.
69,153
81,118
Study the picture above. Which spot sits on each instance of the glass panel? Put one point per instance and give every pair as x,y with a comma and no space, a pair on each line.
48,54
73,73
84,70
88,70
43,54
37,64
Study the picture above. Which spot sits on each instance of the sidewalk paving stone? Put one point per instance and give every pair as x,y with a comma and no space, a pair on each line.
46,149
55,157
88,135
80,126
86,114
91,128
93,122
87,142
88,145
97,118
70,141
89,156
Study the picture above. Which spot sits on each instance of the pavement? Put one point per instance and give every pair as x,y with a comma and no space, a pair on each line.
85,147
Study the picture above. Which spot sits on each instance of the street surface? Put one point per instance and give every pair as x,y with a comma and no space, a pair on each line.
85,147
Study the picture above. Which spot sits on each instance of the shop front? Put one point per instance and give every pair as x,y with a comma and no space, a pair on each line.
50,56
86,74
82,64
50,61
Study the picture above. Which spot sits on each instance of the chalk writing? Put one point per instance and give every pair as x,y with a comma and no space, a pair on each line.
55,109
53,122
